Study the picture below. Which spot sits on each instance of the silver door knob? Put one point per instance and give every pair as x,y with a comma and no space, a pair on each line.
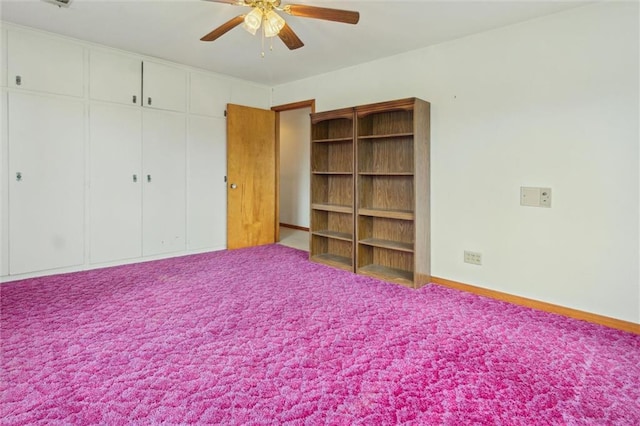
234,186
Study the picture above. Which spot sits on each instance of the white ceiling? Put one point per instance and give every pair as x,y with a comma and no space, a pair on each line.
171,29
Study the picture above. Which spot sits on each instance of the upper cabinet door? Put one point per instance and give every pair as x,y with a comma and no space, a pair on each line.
209,95
115,78
252,95
164,87
44,64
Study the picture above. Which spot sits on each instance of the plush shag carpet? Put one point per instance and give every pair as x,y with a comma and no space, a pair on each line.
262,336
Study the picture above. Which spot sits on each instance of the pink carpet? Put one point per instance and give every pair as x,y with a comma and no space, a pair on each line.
262,336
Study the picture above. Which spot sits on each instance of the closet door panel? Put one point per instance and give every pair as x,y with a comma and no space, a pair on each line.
115,78
164,181
46,183
206,188
44,64
116,182
164,87
4,185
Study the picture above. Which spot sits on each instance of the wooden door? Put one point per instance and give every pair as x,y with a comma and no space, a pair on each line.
251,172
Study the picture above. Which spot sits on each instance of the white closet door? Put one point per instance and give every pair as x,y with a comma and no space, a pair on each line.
116,182
164,87
206,188
46,183
4,191
209,95
44,64
115,78
252,95
164,193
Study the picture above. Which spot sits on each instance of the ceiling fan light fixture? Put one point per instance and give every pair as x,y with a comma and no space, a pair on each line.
273,23
253,20
264,14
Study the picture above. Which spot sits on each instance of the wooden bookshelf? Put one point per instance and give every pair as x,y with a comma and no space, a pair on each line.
399,276
332,188
370,190
334,234
392,214
392,187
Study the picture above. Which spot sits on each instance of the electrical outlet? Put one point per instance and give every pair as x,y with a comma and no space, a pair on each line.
545,197
472,257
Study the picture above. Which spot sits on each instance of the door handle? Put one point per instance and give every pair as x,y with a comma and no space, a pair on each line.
135,178
234,186
148,178
19,176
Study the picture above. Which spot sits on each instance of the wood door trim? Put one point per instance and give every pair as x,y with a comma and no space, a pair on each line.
299,228
276,216
310,103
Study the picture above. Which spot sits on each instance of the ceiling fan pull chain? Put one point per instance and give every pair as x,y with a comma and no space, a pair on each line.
262,32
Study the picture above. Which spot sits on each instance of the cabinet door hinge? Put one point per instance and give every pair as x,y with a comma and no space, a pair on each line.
225,112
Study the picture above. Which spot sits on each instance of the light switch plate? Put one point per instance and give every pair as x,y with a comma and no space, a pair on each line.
529,196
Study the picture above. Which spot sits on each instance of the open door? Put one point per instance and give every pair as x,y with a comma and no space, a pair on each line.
251,177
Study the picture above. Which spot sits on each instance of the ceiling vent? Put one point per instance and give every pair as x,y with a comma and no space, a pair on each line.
59,3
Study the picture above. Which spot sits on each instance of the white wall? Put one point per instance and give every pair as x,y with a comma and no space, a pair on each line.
551,102
295,169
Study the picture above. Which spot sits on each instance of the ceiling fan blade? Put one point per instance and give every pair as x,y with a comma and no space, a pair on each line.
222,29
337,15
290,38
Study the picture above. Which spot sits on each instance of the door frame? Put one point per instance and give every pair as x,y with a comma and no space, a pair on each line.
309,103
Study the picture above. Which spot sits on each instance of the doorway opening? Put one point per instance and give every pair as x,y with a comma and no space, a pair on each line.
293,130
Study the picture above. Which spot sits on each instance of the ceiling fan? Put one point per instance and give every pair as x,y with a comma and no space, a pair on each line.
263,13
